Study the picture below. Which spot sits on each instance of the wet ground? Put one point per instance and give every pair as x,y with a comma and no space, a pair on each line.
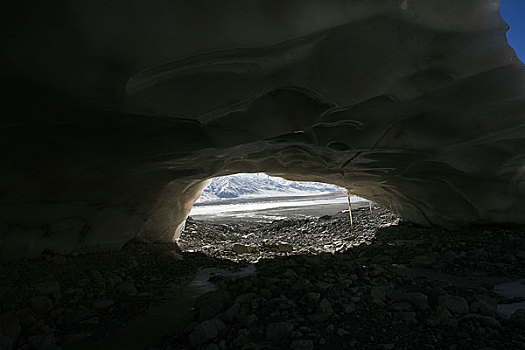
317,283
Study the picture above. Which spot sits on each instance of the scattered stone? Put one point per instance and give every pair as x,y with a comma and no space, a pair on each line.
401,306
408,317
486,306
325,307
378,294
102,304
244,249
339,290
422,261
48,286
74,337
302,344
206,331
126,288
278,331
481,319
212,347
285,247
10,326
342,332
41,304
417,300
454,304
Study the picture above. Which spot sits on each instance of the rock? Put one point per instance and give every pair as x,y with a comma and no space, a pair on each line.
266,293
44,341
90,322
302,344
378,294
242,340
41,303
382,260
126,288
422,261
285,247
439,316
312,298
59,260
341,332
210,310
417,300
518,318
48,286
251,319
240,306
212,303
97,279
454,304
408,317
486,307
75,317
290,274
386,346
26,317
348,308
74,337
244,249
212,346
36,341
318,317
325,307
103,303
401,306
10,326
278,331
206,331
301,284
486,321
232,313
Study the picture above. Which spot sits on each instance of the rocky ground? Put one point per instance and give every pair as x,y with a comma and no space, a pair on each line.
252,242
316,283
56,300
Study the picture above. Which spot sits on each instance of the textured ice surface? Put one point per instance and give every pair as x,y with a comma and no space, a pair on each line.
116,113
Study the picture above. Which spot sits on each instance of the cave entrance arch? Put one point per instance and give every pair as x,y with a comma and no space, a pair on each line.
421,113
249,216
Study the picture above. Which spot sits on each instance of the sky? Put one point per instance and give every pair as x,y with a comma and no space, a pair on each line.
513,11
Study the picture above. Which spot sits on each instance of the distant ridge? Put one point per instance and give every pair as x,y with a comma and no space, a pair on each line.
261,186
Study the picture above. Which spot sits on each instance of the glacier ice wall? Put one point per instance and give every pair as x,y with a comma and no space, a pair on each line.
116,112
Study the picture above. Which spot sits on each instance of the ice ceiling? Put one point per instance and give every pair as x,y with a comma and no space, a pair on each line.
116,113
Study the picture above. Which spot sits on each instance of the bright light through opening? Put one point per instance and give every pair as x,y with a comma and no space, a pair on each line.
264,198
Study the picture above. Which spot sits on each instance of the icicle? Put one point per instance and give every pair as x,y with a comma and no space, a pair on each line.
370,206
349,208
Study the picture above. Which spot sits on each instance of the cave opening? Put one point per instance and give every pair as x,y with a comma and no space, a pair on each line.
249,216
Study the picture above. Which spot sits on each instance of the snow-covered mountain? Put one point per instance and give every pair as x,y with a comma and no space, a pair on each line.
261,185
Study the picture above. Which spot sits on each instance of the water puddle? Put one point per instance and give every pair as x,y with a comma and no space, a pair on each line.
149,328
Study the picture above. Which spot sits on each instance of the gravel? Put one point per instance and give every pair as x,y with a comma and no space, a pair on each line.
319,283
